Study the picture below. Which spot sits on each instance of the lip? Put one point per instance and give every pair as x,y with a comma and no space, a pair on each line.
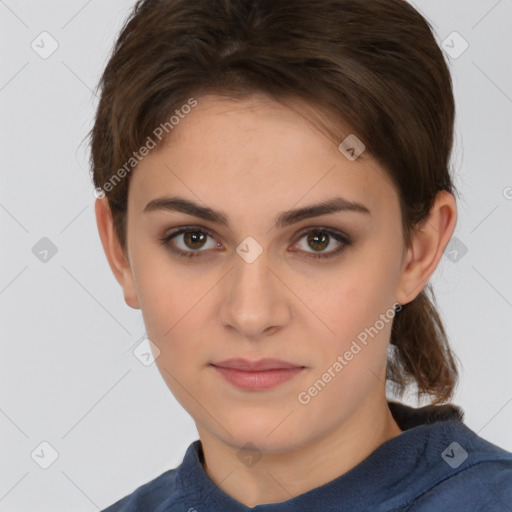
257,375
256,366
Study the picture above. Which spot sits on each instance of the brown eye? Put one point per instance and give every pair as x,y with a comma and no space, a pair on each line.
189,242
319,239
194,239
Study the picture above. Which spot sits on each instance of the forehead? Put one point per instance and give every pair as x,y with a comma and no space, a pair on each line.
257,152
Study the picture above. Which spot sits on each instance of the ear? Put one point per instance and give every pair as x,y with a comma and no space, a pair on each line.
427,248
117,260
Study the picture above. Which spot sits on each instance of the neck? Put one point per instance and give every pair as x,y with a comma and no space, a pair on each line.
278,477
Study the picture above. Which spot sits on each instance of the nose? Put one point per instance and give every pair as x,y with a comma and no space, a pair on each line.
255,301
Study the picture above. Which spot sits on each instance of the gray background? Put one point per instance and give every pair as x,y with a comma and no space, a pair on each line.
68,375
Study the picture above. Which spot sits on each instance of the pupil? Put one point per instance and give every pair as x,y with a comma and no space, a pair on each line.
315,237
195,237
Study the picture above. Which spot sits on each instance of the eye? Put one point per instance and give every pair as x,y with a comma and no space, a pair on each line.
190,241
321,238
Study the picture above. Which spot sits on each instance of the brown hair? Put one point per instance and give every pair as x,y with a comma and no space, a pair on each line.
373,64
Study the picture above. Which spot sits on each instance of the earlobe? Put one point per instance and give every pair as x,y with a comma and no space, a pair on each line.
117,260
428,245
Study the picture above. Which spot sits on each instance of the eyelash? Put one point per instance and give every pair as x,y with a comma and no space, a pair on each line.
338,236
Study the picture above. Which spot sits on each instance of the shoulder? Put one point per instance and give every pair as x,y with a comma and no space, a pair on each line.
163,489
466,472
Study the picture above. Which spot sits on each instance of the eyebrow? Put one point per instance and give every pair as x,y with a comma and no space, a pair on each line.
286,218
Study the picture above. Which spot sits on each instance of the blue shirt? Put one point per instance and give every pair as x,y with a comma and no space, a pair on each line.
436,464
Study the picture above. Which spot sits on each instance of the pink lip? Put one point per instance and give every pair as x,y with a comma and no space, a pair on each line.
257,375
256,366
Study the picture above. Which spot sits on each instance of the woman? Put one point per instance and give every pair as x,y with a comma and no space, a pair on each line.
274,194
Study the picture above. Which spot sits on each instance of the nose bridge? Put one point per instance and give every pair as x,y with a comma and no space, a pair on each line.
254,301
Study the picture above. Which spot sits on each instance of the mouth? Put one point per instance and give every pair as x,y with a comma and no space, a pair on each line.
257,375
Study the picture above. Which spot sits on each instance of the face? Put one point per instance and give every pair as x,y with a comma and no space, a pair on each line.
307,289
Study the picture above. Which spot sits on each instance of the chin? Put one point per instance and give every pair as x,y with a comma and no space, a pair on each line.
266,436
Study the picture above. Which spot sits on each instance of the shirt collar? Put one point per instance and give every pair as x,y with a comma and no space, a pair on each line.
383,476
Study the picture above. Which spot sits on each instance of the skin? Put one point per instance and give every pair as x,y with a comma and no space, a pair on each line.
253,159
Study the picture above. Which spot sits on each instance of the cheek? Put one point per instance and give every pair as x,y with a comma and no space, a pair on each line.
351,298
167,292
356,304
171,308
